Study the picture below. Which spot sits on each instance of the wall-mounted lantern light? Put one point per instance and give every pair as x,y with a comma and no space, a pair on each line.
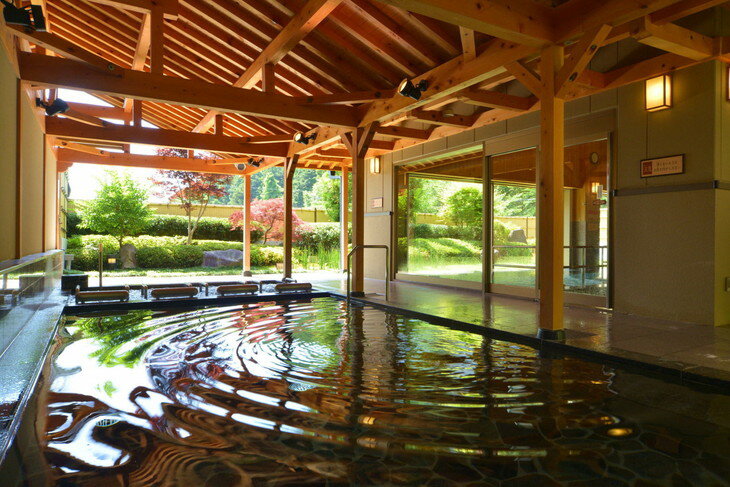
728,82
375,165
659,93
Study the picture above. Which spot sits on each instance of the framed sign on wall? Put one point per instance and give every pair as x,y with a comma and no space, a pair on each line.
662,166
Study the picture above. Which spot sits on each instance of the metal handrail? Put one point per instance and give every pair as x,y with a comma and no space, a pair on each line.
387,267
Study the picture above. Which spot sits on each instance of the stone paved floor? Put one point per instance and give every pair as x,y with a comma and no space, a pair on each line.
698,349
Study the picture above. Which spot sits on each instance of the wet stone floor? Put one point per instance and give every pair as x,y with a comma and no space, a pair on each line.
311,393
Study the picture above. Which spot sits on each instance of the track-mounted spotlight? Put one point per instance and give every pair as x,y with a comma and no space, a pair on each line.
55,107
304,139
407,88
30,16
253,162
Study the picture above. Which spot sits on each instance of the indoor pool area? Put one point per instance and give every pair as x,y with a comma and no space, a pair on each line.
319,392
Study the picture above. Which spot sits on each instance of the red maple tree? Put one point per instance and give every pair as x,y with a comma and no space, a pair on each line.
191,190
269,214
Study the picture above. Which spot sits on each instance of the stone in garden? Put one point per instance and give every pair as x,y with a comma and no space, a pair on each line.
128,256
517,236
221,258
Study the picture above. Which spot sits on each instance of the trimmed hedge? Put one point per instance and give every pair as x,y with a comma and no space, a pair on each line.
429,230
163,252
319,236
209,228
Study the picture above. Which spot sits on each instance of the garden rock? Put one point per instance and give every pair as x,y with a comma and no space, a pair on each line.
221,258
517,235
128,256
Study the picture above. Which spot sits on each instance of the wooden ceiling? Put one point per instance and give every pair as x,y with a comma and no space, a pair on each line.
326,65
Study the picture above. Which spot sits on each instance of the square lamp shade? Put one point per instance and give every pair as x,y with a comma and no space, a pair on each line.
658,93
375,165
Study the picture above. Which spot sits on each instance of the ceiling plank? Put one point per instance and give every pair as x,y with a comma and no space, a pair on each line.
448,78
682,9
298,27
168,7
53,71
520,21
439,118
160,137
345,98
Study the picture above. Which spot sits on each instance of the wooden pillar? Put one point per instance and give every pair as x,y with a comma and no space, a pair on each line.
219,124
344,218
550,194
358,142
157,41
289,166
247,225
268,78
137,113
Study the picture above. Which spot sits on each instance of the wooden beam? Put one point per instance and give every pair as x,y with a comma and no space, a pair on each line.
675,39
159,137
72,114
526,76
439,118
346,98
409,133
682,9
550,194
313,12
144,39
468,44
520,21
81,148
448,78
113,113
268,78
53,71
580,55
69,156
495,99
67,49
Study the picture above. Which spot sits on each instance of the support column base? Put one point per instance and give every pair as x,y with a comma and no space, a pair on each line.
552,335
357,294
247,273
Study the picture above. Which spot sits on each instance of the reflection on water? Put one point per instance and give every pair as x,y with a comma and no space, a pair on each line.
305,393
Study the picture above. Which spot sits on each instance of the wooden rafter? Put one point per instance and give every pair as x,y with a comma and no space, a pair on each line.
298,27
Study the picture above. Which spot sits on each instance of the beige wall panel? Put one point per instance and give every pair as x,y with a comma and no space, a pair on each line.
377,232
576,108
8,135
31,151
523,122
722,257
435,145
413,152
462,139
489,131
657,273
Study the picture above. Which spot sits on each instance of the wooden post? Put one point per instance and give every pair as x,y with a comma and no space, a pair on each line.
289,167
219,124
247,225
344,218
157,41
550,194
268,78
358,142
137,113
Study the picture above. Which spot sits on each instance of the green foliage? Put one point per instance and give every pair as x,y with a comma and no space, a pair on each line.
326,193
512,200
427,194
428,230
270,187
320,235
443,247
501,233
464,207
73,224
119,209
163,252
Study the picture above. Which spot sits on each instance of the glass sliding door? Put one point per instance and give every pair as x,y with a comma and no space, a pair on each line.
513,216
440,219
587,221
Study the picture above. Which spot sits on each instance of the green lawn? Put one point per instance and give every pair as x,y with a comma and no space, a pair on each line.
189,271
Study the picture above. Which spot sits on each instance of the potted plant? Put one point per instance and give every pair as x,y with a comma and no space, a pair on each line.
72,278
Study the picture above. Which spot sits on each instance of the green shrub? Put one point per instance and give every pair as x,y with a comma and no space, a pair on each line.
501,233
86,259
429,230
516,252
319,235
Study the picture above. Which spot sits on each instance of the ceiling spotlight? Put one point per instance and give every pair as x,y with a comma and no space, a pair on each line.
240,166
54,108
407,88
30,16
253,162
304,139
